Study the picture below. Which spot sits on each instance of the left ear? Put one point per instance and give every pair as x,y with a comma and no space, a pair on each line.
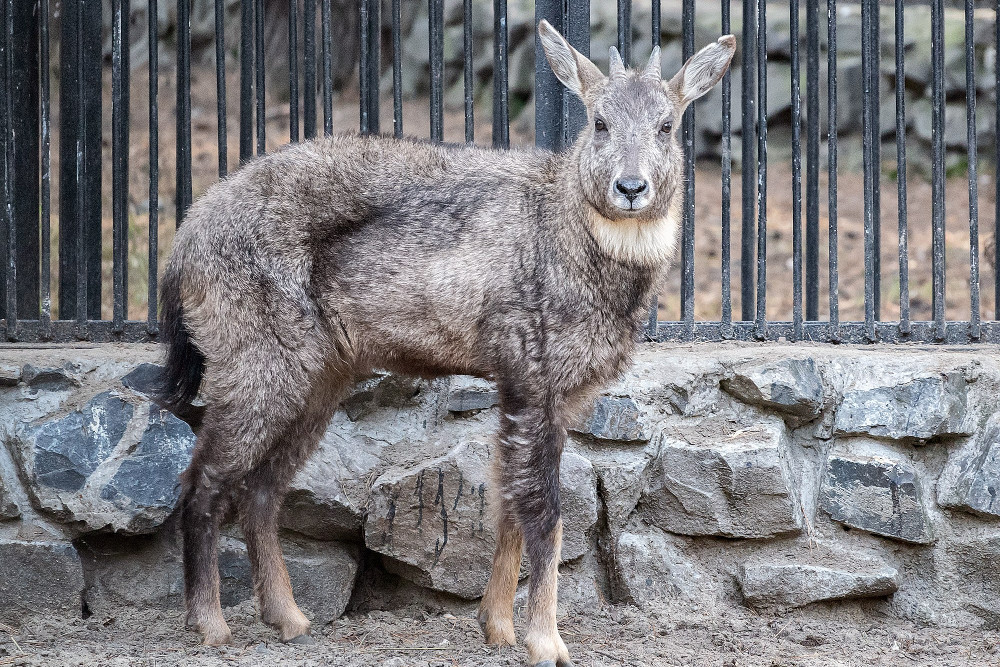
703,70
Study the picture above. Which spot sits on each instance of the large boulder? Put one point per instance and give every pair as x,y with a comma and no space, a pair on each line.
881,493
111,465
432,522
917,410
713,477
791,387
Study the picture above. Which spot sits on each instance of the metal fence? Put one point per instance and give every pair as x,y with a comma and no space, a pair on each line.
26,134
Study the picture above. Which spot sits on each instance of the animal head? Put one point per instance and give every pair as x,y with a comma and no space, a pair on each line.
629,157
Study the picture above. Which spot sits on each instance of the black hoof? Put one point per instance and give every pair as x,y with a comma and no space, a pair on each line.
304,640
545,663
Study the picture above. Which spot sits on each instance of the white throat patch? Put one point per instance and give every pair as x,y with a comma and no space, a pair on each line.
646,242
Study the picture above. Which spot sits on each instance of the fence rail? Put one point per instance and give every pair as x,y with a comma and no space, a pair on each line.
25,146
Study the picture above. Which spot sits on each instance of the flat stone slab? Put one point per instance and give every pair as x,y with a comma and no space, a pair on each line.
917,410
790,582
38,578
791,387
615,418
971,479
878,494
715,478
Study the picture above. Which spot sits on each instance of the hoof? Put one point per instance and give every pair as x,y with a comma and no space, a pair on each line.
549,663
302,640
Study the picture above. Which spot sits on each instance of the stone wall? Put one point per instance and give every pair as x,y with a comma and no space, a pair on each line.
773,476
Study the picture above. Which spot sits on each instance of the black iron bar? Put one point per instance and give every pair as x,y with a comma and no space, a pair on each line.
152,315
435,18
876,98
246,80
501,106
183,108
973,155
748,156
625,30
687,139
119,158
293,70
374,62
220,84
761,324
831,131
309,67
937,166
727,186
467,71
397,72
46,157
870,183
904,264
259,70
812,160
83,227
7,129
793,10
996,153
327,68
364,65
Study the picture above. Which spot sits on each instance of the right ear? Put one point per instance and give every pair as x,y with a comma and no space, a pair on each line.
570,66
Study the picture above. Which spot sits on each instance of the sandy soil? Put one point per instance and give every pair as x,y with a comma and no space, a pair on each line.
608,636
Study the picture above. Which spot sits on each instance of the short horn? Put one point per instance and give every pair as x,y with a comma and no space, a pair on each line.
652,69
615,65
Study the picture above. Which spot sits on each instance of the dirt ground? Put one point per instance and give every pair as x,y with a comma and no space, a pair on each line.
618,635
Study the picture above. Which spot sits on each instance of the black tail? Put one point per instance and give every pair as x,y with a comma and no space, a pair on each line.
185,363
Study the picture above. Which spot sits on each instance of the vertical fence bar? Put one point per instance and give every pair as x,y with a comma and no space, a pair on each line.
761,326
548,93
309,67
727,185
467,71
748,157
870,183
183,108
625,31
364,66
876,95
436,26
904,264
46,157
687,139
246,80
973,154
120,13
996,154
7,142
655,25
831,132
259,70
812,160
397,72
220,85
369,66
793,10
293,70
327,69
501,106
576,29
937,167
152,312
80,163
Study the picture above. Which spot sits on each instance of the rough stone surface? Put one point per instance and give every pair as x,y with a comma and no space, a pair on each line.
969,569
615,418
38,577
8,507
714,478
791,387
792,582
10,374
432,520
111,465
650,568
971,478
876,493
920,409
621,479
468,393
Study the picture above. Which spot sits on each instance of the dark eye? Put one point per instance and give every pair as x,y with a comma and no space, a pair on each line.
666,127
599,125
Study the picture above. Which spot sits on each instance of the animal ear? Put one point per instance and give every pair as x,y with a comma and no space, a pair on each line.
570,66
703,70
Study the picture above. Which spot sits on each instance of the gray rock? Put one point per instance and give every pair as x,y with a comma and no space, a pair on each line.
431,520
49,379
112,465
145,379
615,418
650,569
971,567
10,374
878,494
8,507
790,386
713,478
468,393
787,581
920,409
971,478
38,578
620,483
140,572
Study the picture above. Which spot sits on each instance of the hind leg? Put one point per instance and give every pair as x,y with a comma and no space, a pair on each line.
496,611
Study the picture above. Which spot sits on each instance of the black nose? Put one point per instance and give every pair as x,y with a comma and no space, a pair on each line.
631,187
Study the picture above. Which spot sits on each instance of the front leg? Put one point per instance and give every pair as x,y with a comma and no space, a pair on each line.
496,611
531,445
